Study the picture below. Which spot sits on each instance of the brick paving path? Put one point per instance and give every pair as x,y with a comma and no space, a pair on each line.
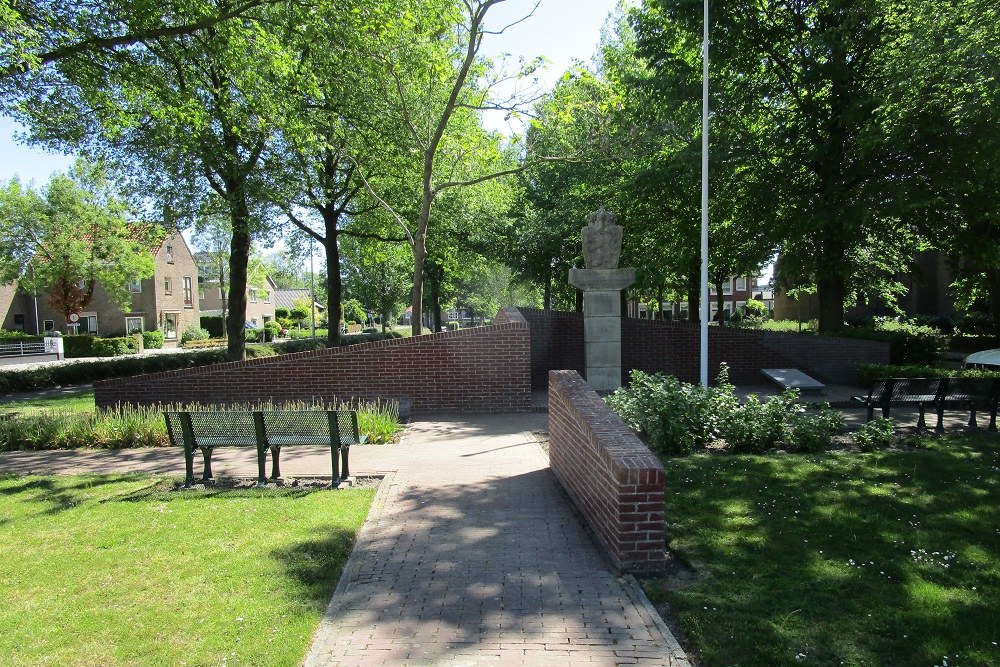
471,554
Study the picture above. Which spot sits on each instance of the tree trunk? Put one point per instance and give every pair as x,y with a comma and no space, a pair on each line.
720,301
239,257
333,286
417,295
436,305
547,298
659,304
694,297
831,291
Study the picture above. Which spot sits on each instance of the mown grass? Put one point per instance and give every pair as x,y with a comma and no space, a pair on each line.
70,400
888,558
119,570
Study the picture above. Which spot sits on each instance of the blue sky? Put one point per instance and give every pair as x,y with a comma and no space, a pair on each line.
561,30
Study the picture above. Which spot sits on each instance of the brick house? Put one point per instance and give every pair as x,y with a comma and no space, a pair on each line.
166,301
260,301
736,291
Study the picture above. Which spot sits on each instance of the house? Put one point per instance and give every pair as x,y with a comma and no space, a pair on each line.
287,298
164,301
213,302
736,291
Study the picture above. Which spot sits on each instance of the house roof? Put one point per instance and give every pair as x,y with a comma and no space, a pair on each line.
286,298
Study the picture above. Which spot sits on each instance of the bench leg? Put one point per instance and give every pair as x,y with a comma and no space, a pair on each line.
335,466
188,468
973,424
261,466
939,429
275,466
871,412
921,423
344,451
206,453
993,418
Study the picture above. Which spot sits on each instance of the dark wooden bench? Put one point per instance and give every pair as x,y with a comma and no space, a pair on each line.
971,394
264,430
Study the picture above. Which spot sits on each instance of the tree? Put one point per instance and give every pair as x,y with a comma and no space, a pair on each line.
798,89
189,116
71,236
943,115
377,275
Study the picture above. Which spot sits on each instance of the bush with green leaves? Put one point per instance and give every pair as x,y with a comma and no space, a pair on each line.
452,325
868,373
193,332
114,347
81,345
673,416
6,335
152,340
908,343
354,311
756,426
813,432
879,433
271,329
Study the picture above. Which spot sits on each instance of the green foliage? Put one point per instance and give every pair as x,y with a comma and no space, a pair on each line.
755,308
876,434
71,236
214,324
298,314
192,333
678,418
75,347
674,417
452,325
114,347
152,340
974,322
354,311
272,329
868,373
280,313
8,335
813,432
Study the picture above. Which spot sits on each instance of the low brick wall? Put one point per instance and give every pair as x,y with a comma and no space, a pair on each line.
483,369
673,348
612,477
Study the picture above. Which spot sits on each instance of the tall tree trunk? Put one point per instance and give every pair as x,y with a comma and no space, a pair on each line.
831,284
547,298
436,305
239,258
333,286
694,296
720,300
417,295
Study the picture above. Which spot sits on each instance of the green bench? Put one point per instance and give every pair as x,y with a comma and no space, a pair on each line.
265,430
972,394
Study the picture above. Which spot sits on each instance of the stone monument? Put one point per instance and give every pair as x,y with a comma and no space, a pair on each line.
602,282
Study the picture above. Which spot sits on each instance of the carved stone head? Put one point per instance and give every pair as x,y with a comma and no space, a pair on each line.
602,240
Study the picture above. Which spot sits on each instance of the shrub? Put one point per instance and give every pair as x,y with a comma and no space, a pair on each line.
452,325
755,308
876,434
674,417
354,311
868,373
272,329
81,345
6,335
202,344
908,343
755,427
813,432
974,322
194,333
280,313
214,324
114,347
252,335
152,340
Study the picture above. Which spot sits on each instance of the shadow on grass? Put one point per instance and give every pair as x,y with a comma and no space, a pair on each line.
316,563
886,558
53,495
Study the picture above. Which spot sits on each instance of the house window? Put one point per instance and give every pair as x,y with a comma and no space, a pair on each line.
168,286
741,284
133,325
727,287
253,296
18,322
49,325
266,296
88,324
187,292
135,287
170,254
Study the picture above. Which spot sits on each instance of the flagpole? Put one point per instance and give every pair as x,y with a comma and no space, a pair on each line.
703,366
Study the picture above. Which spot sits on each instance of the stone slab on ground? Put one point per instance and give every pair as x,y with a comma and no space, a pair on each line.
793,378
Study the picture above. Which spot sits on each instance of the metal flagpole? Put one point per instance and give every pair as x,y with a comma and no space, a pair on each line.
703,366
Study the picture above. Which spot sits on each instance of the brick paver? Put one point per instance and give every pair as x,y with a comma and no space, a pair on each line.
471,553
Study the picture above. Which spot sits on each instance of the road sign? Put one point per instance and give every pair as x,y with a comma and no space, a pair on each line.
74,317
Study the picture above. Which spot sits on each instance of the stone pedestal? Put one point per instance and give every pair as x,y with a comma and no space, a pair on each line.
602,324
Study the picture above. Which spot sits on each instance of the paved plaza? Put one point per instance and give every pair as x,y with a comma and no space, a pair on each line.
471,553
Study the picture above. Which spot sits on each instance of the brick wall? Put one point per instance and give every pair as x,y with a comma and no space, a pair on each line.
484,369
612,477
674,348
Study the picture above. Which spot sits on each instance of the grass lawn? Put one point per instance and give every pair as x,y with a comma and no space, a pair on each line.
888,558
120,570
71,400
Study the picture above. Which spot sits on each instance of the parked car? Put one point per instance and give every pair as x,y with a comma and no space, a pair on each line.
986,360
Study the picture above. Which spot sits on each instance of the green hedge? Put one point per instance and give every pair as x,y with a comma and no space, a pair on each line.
908,343
152,340
214,324
868,373
86,345
85,372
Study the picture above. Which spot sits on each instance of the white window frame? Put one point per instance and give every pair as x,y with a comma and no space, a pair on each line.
741,284
727,287
170,254
168,286
167,333
131,318
253,295
188,292
135,287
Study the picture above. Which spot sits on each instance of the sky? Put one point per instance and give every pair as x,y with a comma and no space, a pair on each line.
561,30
